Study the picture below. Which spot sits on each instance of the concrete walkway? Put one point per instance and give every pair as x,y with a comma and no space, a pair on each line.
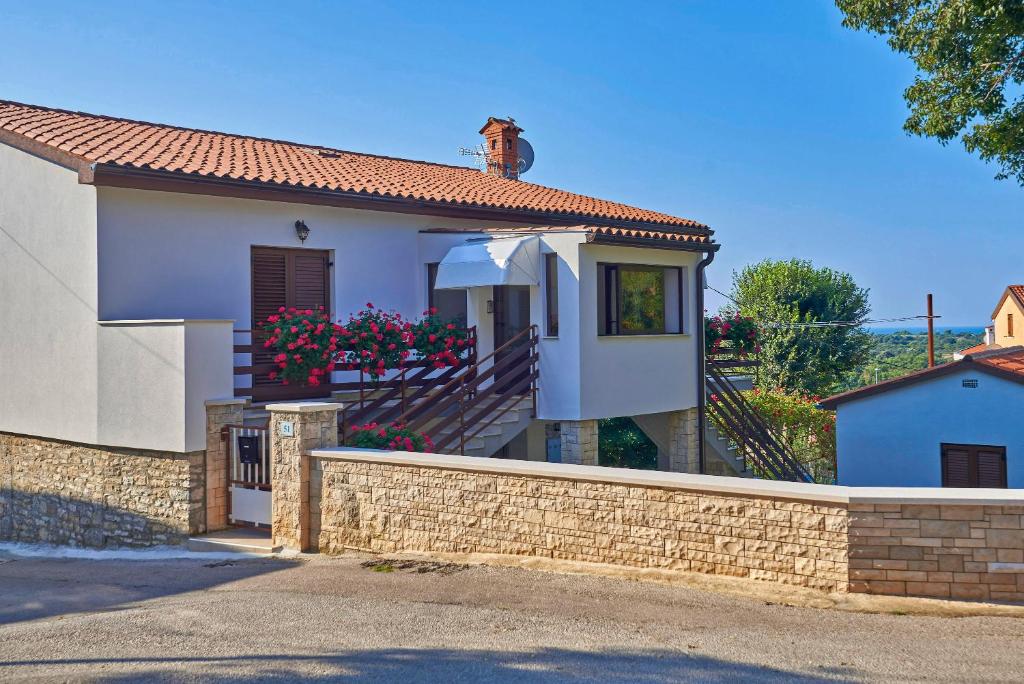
370,620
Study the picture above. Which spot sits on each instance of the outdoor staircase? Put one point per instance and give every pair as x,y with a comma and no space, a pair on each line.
474,409
721,457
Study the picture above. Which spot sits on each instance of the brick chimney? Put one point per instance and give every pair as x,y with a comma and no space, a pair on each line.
502,140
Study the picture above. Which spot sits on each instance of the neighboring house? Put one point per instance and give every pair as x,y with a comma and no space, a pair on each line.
1007,319
955,425
135,259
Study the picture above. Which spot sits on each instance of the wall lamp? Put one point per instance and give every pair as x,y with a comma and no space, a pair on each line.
302,230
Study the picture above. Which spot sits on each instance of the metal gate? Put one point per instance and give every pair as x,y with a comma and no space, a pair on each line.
248,475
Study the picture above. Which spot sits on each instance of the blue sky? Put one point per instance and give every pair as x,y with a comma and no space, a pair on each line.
767,120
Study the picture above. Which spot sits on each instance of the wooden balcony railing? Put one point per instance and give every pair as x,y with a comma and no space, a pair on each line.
416,375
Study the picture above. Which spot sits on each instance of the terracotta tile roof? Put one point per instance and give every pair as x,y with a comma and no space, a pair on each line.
1018,292
137,145
974,350
1007,364
614,232
1011,362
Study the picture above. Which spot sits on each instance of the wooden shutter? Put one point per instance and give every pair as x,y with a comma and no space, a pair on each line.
297,278
956,470
969,465
991,467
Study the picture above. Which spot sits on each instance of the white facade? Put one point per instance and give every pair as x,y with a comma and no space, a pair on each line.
126,300
894,438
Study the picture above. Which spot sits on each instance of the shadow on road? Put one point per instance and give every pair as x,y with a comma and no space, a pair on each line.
436,665
34,588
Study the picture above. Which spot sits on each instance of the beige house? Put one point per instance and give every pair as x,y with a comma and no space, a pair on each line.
1007,321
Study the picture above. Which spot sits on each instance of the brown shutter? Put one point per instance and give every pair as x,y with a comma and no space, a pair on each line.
310,281
991,468
956,470
297,278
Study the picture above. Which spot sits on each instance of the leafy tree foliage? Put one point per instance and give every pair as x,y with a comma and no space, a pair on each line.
970,58
782,297
621,444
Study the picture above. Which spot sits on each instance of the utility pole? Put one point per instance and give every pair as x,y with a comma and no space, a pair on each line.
931,334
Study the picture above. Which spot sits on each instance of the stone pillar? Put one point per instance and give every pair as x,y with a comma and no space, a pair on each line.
579,442
295,430
683,447
219,414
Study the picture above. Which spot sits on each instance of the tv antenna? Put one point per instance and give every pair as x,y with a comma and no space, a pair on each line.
479,154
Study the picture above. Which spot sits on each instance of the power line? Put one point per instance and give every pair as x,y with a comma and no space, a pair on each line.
827,324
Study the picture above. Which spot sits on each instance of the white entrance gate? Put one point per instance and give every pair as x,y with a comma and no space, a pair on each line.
248,475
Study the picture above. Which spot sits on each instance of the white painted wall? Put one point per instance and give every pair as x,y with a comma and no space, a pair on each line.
894,438
154,380
48,299
167,255
632,375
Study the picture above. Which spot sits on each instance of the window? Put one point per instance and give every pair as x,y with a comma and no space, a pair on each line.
639,300
972,465
1009,325
551,293
450,304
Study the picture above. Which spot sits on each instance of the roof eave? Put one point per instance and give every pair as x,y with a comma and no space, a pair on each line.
115,175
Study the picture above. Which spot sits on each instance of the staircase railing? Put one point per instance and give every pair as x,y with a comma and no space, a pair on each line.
754,437
464,407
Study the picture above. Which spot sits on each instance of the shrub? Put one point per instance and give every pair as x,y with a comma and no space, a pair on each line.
395,437
808,431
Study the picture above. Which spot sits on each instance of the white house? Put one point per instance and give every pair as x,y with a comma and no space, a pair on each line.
136,257
955,425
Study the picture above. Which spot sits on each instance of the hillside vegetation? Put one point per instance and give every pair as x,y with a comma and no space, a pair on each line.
899,353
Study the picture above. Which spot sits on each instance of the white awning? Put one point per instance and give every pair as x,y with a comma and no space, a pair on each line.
494,261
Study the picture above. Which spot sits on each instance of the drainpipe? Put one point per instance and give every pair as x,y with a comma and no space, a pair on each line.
701,372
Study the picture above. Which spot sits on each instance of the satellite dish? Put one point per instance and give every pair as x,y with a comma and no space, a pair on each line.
525,155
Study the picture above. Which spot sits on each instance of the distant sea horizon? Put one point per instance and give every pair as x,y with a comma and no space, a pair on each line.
963,329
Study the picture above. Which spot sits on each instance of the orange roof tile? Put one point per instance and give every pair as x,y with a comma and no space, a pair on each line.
191,153
974,350
1011,362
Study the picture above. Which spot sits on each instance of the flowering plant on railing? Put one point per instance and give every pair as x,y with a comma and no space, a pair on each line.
376,341
730,333
396,437
306,342
438,341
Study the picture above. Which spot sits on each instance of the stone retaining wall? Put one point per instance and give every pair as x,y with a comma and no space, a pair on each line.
66,493
939,550
961,544
382,506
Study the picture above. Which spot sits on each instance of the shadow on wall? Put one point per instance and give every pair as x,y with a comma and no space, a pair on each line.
35,588
36,517
440,665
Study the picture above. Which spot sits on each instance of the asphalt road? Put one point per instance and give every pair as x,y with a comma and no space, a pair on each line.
350,619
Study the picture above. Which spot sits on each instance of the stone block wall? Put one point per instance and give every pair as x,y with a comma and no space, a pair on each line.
375,504
83,495
219,414
683,446
579,441
940,550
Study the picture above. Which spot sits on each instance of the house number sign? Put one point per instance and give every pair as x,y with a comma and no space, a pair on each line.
286,428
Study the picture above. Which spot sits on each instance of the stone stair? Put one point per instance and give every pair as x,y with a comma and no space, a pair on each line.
720,457
495,435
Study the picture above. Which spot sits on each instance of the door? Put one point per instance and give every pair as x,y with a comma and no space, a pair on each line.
297,278
511,317
973,465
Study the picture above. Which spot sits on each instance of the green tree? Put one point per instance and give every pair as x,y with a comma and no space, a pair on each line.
970,60
783,297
